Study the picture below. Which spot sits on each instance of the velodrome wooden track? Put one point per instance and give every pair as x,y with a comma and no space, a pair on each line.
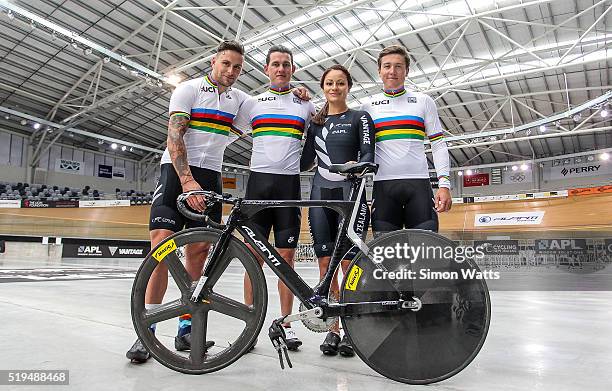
579,213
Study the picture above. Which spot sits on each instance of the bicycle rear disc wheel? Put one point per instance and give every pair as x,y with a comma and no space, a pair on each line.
217,309
430,344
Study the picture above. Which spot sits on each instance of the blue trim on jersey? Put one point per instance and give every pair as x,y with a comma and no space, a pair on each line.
399,118
279,116
213,111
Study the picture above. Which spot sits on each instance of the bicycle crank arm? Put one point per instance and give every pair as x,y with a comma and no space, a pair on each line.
373,307
316,312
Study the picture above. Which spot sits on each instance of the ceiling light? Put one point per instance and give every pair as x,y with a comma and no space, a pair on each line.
524,167
100,142
460,173
74,44
23,122
32,25
528,132
604,113
542,128
590,158
106,60
123,148
7,117
131,149
173,79
36,126
469,172
88,51
577,117
10,15
514,168
114,145
604,156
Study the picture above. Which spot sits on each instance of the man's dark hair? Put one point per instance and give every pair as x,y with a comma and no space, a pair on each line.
234,46
394,49
278,49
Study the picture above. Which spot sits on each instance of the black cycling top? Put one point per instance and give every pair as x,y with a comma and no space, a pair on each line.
344,137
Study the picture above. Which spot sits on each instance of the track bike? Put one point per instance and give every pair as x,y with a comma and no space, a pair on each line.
404,325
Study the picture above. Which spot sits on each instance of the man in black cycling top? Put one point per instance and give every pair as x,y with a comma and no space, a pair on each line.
336,135
277,120
402,196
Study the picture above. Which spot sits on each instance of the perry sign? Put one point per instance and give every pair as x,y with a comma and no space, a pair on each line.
511,218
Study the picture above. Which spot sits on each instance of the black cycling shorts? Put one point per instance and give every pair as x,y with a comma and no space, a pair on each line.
284,221
403,203
324,222
164,213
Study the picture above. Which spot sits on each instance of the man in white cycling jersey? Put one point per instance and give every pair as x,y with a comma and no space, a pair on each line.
202,111
402,196
277,120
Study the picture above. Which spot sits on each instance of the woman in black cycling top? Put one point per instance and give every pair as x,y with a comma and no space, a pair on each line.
336,135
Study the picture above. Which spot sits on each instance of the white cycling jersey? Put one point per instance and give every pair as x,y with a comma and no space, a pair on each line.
402,120
211,115
277,119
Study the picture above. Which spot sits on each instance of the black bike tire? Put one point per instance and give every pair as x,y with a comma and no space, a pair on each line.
245,340
346,322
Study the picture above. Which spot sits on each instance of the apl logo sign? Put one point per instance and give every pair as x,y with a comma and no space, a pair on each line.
484,219
89,250
564,171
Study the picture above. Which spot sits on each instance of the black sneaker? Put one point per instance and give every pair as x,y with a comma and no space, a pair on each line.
293,342
345,348
183,343
329,347
138,353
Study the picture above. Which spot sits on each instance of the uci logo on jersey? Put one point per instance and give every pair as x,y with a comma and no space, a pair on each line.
164,250
208,89
353,278
381,102
266,98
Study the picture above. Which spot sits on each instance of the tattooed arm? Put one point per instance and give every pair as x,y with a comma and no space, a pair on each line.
177,127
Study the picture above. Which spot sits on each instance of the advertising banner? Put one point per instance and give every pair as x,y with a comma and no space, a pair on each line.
511,218
498,247
560,246
69,166
90,250
105,171
476,180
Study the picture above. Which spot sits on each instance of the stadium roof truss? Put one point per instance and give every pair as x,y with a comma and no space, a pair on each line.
513,79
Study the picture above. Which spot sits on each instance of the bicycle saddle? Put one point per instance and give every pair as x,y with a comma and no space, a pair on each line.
354,168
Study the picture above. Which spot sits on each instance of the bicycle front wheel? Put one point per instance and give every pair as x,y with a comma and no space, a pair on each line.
221,316
434,342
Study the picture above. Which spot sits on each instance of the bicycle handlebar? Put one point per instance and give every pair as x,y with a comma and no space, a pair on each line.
211,198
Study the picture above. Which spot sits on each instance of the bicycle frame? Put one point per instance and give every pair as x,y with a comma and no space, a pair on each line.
239,220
